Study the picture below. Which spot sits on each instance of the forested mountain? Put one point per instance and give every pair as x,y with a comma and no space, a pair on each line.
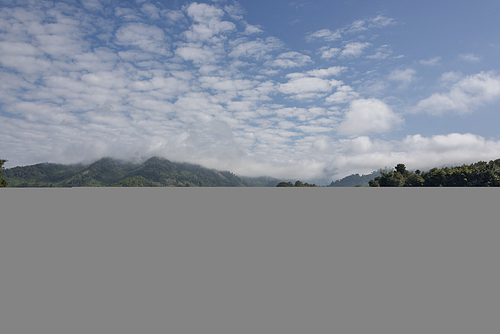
479,174
297,183
355,180
108,172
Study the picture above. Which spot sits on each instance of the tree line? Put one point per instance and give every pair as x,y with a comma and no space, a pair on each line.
3,183
298,183
479,174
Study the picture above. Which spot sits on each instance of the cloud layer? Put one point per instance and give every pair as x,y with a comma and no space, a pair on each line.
198,83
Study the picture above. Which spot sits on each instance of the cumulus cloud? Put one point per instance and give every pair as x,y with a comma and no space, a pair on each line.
364,155
145,37
172,16
235,11
464,96
366,116
257,49
324,34
196,53
354,49
343,94
327,53
289,60
358,25
450,77
431,62
328,35
381,52
327,72
381,21
93,5
469,57
450,149
252,29
151,10
307,87
208,22
404,76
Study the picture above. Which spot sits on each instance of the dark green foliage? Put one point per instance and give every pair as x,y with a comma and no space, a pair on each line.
285,184
107,172
480,174
40,175
3,182
298,183
354,180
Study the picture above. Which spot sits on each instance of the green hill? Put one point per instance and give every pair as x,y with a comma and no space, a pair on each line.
355,180
108,172
479,174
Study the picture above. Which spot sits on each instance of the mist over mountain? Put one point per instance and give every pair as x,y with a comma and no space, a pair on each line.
108,172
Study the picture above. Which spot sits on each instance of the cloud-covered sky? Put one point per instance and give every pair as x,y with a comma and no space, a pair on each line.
302,89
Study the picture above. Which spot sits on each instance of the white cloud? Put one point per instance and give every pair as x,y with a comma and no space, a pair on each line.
323,73
325,34
358,145
258,49
381,21
127,14
381,52
354,49
405,76
431,62
289,60
450,77
328,53
450,149
235,11
196,53
464,96
469,57
208,22
93,5
145,37
307,87
364,155
328,35
252,29
172,16
18,48
151,10
343,94
366,116
358,25
204,13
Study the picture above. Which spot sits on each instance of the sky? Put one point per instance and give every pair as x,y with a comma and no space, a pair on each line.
308,90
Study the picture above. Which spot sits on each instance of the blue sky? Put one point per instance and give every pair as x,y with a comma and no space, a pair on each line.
292,89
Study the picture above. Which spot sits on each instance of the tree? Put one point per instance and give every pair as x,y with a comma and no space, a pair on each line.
298,183
401,169
3,183
285,184
480,174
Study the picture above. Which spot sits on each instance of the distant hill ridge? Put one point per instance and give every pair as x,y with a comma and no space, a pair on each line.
109,172
355,180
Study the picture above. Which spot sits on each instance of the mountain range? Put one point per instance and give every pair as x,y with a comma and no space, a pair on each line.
154,172
108,172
